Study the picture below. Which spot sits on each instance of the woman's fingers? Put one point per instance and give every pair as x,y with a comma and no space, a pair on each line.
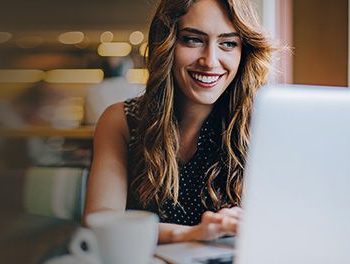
213,225
234,212
209,217
229,225
224,222
232,217
228,218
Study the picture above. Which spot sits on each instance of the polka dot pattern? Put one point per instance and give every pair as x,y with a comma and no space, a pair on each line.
192,176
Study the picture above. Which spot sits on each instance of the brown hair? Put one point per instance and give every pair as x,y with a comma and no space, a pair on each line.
156,152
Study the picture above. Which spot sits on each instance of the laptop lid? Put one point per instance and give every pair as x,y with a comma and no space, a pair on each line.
297,181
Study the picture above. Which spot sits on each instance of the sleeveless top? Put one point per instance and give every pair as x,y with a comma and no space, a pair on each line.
192,175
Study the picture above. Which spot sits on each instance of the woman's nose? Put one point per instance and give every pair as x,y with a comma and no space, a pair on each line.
209,57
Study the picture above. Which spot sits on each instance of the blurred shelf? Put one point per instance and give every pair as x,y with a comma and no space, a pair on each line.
84,132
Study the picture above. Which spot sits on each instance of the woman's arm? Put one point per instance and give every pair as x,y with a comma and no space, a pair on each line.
107,184
212,226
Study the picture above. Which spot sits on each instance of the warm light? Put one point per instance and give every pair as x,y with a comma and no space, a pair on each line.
21,76
136,37
84,44
144,49
138,76
70,38
74,76
114,49
106,36
5,36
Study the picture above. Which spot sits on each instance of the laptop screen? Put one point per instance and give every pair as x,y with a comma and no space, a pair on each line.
297,198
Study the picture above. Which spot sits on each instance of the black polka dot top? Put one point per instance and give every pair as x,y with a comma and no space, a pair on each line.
193,178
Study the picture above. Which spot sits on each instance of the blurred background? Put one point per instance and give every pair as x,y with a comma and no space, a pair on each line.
52,53
63,62
56,55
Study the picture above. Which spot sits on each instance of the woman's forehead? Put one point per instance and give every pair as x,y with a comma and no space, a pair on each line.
208,16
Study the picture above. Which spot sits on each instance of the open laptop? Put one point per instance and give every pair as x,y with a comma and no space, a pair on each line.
297,181
220,251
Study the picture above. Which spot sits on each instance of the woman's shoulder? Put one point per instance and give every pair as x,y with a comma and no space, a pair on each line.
121,110
120,118
113,112
113,122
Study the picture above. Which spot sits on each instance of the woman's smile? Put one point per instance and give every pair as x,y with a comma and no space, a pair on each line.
205,79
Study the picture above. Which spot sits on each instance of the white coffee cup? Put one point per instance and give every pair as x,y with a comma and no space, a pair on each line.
127,237
83,248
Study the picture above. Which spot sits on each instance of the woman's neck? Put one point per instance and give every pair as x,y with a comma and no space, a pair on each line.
190,120
191,116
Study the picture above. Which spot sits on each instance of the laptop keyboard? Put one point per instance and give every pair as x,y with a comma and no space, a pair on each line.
217,260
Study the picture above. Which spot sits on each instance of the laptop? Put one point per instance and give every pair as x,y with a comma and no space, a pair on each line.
297,180
297,183
220,251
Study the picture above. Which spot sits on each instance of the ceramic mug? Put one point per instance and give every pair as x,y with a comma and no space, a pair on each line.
128,237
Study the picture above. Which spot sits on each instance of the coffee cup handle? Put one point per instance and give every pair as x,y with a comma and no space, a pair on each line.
84,246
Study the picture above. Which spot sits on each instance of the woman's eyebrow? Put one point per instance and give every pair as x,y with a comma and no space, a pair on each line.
193,30
229,35
199,32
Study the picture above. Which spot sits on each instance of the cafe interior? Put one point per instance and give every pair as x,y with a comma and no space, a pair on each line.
63,62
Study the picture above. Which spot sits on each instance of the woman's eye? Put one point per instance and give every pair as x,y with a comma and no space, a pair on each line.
229,44
191,41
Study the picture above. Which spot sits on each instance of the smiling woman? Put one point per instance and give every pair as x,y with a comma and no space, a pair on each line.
207,54
179,150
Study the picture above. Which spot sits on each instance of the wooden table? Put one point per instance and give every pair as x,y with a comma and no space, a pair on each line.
32,239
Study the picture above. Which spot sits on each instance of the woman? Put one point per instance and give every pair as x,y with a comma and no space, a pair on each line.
179,150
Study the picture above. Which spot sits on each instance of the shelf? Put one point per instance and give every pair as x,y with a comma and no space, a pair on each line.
84,132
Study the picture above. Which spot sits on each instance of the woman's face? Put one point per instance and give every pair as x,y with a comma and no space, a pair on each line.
207,53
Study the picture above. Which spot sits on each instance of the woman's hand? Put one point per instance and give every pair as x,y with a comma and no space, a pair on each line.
212,226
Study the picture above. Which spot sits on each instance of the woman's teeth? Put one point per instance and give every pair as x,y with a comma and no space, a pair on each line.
205,78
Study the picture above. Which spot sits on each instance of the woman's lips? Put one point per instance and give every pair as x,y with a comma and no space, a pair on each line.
205,79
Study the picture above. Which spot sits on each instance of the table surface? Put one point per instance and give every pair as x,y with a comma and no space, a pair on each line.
30,238
26,238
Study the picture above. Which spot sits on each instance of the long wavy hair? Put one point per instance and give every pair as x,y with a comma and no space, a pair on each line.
156,154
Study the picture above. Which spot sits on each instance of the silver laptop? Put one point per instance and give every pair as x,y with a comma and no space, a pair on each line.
297,185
